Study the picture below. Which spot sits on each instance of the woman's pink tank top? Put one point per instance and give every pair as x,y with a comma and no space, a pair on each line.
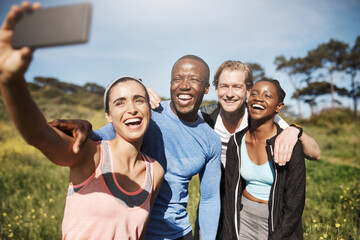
99,208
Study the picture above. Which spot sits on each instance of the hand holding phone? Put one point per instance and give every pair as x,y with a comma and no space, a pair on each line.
13,62
53,26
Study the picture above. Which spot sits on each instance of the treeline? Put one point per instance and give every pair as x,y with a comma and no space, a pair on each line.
61,99
90,95
321,72
324,71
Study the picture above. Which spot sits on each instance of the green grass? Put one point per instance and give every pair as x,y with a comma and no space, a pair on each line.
332,206
32,193
339,143
33,190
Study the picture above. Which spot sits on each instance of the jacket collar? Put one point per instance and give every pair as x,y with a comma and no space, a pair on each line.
270,144
271,141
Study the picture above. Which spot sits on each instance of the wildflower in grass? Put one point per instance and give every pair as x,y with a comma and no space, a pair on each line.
341,197
28,197
321,238
45,215
337,225
4,214
9,225
16,217
314,220
11,235
344,220
325,235
32,210
52,217
51,200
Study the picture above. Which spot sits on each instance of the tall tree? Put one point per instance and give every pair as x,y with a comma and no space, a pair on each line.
287,66
298,70
332,57
258,71
352,67
313,90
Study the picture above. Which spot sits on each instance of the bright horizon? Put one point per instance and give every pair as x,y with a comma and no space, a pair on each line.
144,38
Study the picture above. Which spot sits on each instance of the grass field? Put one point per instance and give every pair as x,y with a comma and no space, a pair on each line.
33,190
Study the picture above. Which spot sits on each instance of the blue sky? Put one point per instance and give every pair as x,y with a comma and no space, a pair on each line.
145,37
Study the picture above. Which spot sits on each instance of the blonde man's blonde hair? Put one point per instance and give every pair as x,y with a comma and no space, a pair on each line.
235,66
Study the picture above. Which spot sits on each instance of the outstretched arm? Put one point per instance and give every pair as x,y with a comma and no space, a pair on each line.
13,65
311,148
285,143
21,107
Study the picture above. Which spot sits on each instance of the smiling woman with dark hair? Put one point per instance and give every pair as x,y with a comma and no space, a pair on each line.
112,184
262,199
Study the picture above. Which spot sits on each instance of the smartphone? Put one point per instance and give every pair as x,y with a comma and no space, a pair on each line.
53,26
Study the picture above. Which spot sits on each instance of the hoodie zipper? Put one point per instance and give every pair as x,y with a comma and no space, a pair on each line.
236,190
273,193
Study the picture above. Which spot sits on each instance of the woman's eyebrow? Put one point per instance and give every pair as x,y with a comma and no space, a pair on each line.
119,99
138,96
